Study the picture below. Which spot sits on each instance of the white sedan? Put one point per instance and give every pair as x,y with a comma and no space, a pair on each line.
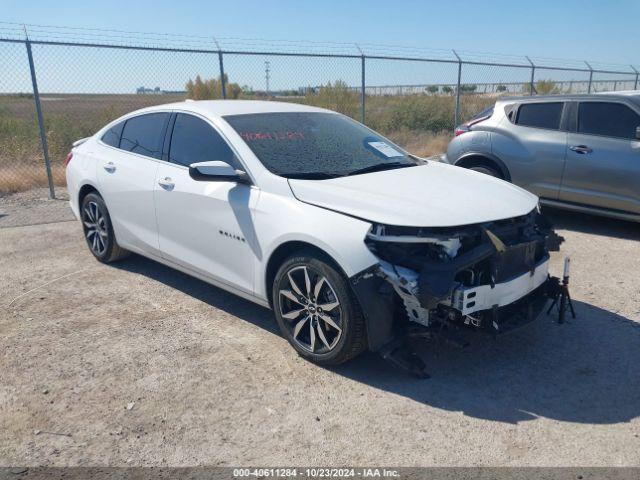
350,240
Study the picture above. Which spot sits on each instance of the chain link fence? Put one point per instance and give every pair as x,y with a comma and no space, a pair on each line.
54,91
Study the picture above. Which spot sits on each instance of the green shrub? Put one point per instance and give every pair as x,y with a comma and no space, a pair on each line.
546,87
337,96
413,112
211,89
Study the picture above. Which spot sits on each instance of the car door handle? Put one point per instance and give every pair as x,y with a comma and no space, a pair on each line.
581,149
166,183
109,167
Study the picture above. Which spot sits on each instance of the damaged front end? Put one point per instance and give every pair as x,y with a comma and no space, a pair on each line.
490,277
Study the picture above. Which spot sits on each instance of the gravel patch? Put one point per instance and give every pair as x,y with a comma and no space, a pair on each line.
34,207
137,364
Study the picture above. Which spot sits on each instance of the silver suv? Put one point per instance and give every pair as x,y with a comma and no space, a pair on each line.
579,152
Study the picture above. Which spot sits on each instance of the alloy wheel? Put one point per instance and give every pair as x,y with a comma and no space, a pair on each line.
95,228
310,309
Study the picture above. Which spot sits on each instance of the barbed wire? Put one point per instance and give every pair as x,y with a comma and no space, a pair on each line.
101,36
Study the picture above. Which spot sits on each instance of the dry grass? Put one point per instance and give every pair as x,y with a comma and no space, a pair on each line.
17,176
422,144
20,178
419,123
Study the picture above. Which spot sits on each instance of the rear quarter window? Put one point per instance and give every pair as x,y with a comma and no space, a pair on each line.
540,115
510,112
112,136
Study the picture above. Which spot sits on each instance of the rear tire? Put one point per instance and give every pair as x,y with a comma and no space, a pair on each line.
316,310
98,230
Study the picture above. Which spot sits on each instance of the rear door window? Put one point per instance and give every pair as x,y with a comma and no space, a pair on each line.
486,113
540,115
194,140
144,134
608,119
112,136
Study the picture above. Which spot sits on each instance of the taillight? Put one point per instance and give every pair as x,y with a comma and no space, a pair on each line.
461,129
466,127
68,159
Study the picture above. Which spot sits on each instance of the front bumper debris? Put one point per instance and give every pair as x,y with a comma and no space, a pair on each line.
490,278
469,300
498,308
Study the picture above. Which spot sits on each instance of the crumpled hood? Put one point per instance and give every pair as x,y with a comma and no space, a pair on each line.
432,195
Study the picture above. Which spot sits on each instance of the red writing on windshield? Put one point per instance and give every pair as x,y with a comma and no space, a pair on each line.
252,136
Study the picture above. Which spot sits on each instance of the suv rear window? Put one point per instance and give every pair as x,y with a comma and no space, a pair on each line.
540,115
609,119
487,112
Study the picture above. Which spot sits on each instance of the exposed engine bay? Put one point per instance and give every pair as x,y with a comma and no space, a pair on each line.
490,277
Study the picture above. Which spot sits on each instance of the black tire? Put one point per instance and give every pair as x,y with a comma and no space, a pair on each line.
344,344
102,242
487,170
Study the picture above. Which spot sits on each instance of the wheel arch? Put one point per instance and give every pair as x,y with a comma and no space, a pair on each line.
85,190
483,158
285,250
377,309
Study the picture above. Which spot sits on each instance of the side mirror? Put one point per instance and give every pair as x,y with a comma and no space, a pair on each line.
638,133
217,171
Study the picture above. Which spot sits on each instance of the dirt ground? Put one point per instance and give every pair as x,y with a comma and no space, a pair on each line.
34,207
136,364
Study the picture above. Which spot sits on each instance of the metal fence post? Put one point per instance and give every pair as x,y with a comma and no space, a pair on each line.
43,135
223,87
222,80
456,115
635,85
363,84
532,87
362,91
590,77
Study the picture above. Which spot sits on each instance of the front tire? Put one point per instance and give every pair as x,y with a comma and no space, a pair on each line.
317,311
98,230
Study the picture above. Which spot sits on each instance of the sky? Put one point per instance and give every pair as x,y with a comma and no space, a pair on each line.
605,31
597,31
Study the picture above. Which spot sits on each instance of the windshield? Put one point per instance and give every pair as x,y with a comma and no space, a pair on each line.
316,144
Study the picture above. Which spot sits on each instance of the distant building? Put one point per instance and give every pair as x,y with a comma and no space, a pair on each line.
157,91
148,91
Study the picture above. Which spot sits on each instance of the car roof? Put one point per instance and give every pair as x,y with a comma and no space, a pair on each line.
633,95
218,108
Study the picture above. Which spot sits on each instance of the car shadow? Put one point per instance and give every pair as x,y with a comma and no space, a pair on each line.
216,297
584,371
585,223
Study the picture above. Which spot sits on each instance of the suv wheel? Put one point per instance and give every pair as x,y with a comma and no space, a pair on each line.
316,310
98,230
